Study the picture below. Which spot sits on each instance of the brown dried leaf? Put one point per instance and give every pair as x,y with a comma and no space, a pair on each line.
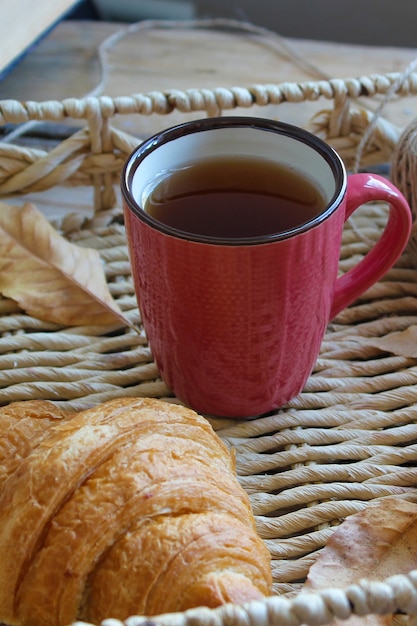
374,544
51,278
401,343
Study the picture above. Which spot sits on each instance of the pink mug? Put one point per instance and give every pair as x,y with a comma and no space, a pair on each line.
235,324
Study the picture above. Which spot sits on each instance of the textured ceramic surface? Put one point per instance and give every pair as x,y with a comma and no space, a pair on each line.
236,329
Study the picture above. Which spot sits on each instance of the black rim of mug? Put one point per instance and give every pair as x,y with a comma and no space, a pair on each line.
170,134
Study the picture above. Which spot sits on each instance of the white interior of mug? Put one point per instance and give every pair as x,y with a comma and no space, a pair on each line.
293,152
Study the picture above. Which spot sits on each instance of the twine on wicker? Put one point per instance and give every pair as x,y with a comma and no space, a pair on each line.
101,147
264,36
95,153
93,156
395,87
404,175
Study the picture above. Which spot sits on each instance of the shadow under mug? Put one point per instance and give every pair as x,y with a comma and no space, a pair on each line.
235,325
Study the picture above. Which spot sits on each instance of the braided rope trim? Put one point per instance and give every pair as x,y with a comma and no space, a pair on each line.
95,155
212,101
396,594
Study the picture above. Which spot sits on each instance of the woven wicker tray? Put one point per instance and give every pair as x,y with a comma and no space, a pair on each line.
348,438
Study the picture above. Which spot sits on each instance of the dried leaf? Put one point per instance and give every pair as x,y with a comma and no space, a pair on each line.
374,544
401,343
51,278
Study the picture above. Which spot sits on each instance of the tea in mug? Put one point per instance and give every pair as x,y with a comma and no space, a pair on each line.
234,197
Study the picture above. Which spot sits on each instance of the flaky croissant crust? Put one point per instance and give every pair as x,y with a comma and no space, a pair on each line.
131,507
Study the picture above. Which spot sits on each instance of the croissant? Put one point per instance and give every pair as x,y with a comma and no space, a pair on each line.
129,508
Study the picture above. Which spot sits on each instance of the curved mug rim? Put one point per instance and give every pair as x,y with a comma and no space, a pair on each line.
151,144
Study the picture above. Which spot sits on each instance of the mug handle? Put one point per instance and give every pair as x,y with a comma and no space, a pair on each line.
366,188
